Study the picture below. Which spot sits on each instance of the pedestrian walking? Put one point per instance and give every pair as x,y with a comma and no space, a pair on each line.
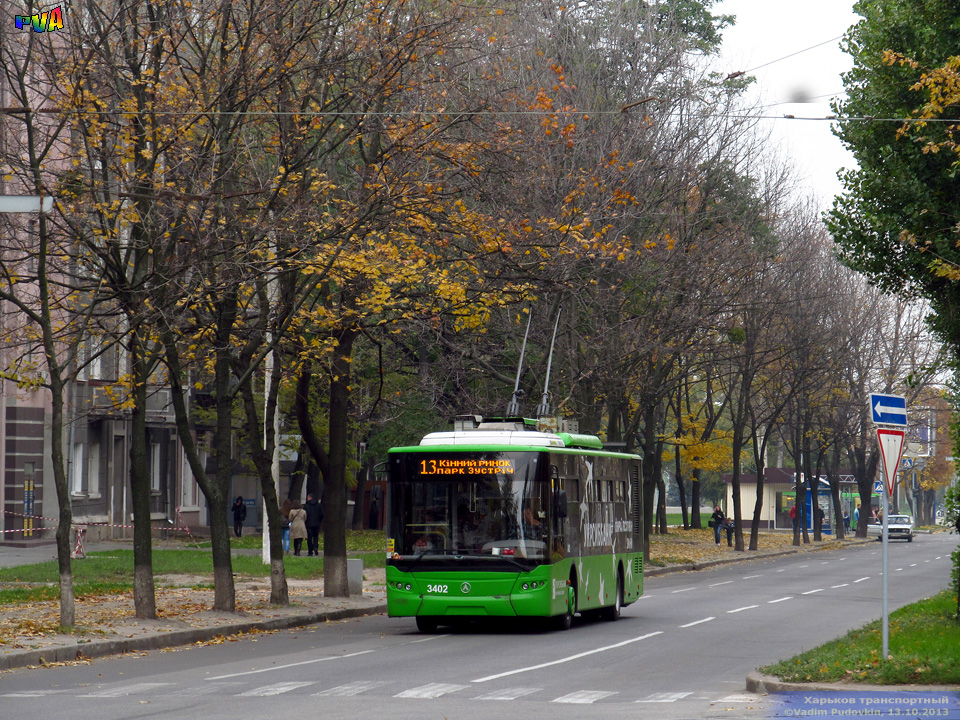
298,527
793,516
716,522
314,512
239,515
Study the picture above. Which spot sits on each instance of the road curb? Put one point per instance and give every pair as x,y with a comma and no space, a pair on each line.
101,648
765,684
688,567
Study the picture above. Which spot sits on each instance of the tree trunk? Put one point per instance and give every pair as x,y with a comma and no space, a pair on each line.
224,592
334,485
68,613
261,450
144,595
695,502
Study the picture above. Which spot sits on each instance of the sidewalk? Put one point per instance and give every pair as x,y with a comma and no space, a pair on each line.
107,625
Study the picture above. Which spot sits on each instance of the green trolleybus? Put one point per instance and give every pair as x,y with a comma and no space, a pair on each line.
499,519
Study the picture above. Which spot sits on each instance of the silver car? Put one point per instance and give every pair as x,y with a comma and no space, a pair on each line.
899,527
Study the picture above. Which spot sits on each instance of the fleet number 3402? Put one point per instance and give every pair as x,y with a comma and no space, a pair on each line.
442,589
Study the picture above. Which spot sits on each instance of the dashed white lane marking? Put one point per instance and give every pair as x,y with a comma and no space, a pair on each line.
584,697
698,622
780,600
569,658
747,607
274,668
354,688
861,579
834,587
811,592
275,689
433,690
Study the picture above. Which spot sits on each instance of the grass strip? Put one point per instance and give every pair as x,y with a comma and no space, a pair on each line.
924,648
111,571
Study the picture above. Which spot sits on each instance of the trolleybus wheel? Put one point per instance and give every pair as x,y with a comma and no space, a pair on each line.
565,621
612,612
427,624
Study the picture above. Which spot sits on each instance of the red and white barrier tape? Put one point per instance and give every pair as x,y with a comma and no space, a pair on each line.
77,524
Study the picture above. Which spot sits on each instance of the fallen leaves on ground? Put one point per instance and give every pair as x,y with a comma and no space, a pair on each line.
180,603
681,546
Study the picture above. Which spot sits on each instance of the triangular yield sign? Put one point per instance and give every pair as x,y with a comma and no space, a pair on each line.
891,448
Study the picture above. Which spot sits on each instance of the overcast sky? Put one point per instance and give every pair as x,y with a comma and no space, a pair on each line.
765,34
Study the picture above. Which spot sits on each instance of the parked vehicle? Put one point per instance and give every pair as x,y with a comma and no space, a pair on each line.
899,527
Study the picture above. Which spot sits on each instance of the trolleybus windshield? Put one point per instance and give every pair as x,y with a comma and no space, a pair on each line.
486,506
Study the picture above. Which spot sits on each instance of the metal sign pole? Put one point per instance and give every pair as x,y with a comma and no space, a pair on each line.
885,571
886,411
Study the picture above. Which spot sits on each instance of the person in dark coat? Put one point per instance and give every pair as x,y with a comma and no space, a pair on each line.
239,515
716,522
314,519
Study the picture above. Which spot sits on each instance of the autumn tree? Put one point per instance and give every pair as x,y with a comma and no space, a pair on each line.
897,219
56,306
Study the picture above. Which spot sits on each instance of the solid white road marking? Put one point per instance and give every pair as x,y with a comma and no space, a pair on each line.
126,690
509,693
433,690
568,658
198,690
738,699
275,689
664,697
32,693
354,688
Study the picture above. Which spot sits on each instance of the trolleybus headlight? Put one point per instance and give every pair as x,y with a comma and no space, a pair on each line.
525,586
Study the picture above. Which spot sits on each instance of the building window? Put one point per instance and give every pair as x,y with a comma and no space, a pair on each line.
76,470
93,471
155,465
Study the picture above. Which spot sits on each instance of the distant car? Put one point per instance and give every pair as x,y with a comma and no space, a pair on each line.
899,527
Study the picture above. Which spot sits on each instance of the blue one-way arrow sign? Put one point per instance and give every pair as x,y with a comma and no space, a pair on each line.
888,409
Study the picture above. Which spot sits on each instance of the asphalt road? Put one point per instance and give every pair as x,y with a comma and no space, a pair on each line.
682,651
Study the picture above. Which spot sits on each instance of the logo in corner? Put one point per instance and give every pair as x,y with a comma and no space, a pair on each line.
465,588
46,21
